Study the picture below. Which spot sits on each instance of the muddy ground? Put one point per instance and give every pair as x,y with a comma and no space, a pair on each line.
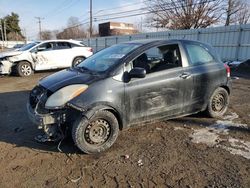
186,152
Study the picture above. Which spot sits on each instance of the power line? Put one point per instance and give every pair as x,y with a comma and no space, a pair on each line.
137,14
123,6
146,8
59,10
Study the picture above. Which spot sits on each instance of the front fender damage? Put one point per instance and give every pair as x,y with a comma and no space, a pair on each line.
53,123
5,67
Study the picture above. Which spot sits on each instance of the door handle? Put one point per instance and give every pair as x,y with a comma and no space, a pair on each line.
185,75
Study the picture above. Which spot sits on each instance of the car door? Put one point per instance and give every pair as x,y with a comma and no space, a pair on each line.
160,93
63,54
206,73
43,56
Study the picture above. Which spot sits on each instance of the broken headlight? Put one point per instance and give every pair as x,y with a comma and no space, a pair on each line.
63,95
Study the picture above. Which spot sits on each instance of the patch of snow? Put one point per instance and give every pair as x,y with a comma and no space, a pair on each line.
205,136
211,136
238,147
231,117
233,63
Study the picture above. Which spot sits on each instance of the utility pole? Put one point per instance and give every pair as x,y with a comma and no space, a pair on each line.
5,35
1,27
90,19
25,35
40,27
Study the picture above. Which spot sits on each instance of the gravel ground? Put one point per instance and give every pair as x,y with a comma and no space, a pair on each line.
193,151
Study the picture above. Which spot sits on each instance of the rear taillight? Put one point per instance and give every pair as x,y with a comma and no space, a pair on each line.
227,69
90,49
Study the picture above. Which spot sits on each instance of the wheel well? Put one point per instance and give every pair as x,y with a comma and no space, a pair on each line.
90,112
79,56
226,88
117,115
25,62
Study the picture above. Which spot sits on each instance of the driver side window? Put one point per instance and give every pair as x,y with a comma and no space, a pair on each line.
45,47
157,59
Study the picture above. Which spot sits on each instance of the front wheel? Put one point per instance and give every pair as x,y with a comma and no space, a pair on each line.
24,69
218,103
96,134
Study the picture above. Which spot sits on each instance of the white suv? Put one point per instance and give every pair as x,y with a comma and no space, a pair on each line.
52,54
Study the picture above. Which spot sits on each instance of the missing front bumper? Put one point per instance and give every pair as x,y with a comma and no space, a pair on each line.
49,123
45,119
5,67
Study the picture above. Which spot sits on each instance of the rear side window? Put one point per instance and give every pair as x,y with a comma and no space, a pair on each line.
62,46
198,54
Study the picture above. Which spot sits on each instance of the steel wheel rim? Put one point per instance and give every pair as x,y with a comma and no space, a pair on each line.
218,102
97,132
26,70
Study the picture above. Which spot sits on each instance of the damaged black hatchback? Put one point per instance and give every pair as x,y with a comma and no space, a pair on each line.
126,84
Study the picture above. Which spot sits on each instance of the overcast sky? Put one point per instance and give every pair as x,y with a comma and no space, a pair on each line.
57,12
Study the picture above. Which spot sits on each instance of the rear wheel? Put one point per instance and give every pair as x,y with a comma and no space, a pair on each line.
96,134
218,103
24,69
77,61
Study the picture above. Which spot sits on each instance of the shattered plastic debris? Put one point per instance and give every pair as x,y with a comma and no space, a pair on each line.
126,157
76,180
140,163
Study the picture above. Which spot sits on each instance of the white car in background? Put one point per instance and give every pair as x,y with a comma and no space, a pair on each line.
45,55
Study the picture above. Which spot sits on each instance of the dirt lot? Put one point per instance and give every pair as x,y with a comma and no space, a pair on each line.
187,152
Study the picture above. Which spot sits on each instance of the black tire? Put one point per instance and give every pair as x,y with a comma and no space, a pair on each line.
96,134
24,69
218,103
77,60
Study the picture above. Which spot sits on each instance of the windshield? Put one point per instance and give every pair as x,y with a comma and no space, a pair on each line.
106,58
28,46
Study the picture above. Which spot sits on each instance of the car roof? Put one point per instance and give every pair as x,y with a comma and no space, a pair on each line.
152,41
64,40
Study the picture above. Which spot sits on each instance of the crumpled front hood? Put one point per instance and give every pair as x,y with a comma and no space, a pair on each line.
67,77
10,53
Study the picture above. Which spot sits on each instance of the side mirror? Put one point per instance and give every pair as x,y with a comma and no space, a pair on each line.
137,72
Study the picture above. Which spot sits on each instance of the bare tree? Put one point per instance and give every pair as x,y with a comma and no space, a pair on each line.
184,14
74,30
237,12
232,8
244,15
46,35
